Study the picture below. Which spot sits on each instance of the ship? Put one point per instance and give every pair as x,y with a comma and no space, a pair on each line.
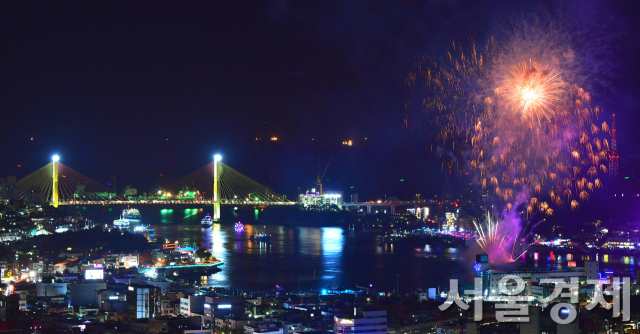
206,221
131,214
261,236
121,223
239,226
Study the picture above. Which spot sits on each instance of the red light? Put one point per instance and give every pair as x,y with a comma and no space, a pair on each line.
19,166
160,174
66,176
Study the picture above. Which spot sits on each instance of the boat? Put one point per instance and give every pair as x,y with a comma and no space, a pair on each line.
143,229
131,214
387,239
261,236
206,221
239,226
122,223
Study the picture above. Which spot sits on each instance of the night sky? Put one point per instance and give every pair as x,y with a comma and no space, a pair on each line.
144,89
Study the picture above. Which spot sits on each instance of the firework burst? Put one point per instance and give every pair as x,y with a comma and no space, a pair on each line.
501,241
524,132
512,116
533,90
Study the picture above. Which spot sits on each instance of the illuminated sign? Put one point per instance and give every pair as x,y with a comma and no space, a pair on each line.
113,297
207,306
130,288
224,306
346,322
96,274
97,265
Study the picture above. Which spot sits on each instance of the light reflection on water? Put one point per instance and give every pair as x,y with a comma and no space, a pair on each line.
309,256
332,242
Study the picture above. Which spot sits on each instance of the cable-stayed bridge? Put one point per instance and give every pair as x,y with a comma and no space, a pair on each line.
215,183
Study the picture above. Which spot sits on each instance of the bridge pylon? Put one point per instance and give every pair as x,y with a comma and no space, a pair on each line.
54,176
217,169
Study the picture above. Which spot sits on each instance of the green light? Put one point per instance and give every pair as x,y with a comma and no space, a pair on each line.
626,177
401,180
351,187
257,199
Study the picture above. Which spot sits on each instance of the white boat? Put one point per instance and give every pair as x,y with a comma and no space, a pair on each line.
131,214
121,223
206,221
143,228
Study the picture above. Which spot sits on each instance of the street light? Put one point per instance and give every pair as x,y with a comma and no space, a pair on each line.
56,158
217,157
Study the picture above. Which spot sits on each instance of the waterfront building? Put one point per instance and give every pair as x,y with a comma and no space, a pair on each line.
362,322
621,241
533,277
319,201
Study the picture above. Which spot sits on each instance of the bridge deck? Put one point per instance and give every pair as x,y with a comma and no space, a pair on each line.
173,202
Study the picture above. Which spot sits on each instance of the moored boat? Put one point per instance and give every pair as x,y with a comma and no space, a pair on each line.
261,236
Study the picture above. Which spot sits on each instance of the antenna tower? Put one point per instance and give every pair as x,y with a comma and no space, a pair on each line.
613,161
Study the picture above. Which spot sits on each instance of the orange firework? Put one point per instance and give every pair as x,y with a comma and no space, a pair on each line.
521,130
533,90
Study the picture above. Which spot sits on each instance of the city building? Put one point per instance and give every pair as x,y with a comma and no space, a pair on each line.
362,322
232,307
50,289
143,301
84,294
192,304
150,326
9,191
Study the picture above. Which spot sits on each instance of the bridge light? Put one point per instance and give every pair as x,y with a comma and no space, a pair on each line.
56,157
217,157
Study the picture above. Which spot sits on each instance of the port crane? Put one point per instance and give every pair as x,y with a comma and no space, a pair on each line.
319,180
